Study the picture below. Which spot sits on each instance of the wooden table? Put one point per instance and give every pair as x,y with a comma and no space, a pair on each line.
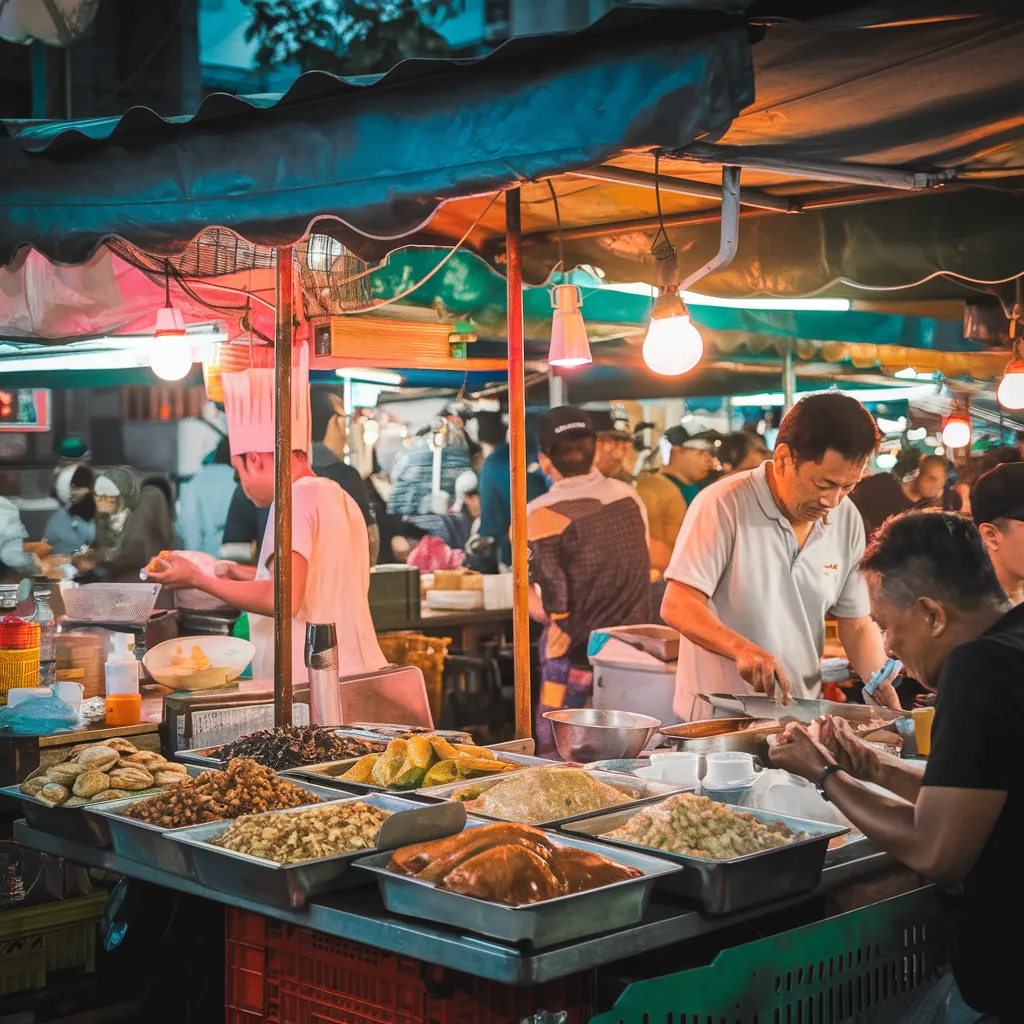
464,627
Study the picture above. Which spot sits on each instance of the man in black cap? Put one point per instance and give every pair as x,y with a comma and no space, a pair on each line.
690,460
997,507
588,556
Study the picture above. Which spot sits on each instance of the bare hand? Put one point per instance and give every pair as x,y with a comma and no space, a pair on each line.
796,751
848,749
39,548
227,570
174,571
764,673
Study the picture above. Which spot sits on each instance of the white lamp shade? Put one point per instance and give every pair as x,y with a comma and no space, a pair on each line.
569,343
957,432
672,346
169,323
1011,388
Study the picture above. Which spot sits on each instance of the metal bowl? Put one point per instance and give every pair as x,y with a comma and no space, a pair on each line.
592,734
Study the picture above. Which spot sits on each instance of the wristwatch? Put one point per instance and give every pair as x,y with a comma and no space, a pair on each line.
830,769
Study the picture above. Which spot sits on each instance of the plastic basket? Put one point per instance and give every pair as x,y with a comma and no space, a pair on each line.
282,974
18,669
427,653
109,602
50,937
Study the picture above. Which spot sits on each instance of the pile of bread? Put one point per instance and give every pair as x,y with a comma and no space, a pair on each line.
109,770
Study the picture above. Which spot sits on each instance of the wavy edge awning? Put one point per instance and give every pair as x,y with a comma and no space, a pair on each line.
376,160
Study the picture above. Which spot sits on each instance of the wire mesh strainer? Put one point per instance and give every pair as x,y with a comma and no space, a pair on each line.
109,602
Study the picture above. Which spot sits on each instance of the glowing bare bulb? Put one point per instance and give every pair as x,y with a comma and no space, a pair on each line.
673,344
957,431
1011,388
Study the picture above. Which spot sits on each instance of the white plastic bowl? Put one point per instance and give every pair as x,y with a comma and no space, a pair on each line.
228,656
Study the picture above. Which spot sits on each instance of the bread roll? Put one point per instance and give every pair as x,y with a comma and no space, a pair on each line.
98,759
53,793
90,783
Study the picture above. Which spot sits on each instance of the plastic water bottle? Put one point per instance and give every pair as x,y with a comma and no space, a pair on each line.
43,614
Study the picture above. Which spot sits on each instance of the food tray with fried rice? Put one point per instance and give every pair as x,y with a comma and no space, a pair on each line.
417,764
519,885
552,795
53,799
786,855
140,829
280,874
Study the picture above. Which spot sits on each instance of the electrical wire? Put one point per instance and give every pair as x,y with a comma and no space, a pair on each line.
558,222
419,284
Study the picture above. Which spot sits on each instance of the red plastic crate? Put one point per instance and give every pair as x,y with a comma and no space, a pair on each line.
283,974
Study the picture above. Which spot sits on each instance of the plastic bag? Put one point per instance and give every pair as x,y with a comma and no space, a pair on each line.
431,553
781,793
39,716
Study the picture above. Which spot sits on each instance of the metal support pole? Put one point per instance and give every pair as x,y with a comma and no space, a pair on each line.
556,390
517,443
788,378
283,491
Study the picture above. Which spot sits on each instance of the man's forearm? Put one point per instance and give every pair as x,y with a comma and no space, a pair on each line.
899,777
256,596
684,611
887,823
863,645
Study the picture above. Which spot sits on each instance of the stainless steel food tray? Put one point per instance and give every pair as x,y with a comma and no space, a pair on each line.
329,774
204,756
759,706
290,886
726,886
549,923
151,844
71,822
640,791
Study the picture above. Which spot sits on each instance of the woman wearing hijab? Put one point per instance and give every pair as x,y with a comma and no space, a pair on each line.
133,524
73,526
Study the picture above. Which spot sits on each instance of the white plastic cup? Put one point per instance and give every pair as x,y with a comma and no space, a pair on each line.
727,769
681,768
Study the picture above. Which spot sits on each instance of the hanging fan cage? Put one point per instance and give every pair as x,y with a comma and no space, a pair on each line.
334,281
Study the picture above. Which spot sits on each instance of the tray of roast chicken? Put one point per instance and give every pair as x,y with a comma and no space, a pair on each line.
540,853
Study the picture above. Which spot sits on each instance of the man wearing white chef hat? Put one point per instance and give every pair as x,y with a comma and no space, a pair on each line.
330,549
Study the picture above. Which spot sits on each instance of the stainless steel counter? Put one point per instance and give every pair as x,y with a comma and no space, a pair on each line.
358,915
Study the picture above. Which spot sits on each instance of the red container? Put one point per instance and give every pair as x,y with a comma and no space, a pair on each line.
283,974
17,634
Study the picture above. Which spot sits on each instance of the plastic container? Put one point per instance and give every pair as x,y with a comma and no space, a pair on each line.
50,937
681,768
923,718
279,973
628,679
123,701
729,769
44,616
19,654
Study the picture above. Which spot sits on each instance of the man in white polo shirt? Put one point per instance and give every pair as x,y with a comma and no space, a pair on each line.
764,556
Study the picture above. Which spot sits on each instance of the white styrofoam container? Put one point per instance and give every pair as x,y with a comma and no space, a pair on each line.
626,679
498,591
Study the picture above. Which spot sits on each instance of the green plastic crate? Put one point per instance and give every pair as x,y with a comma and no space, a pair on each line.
49,937
856,965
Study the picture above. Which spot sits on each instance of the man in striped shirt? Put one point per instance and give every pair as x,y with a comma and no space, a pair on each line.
589,562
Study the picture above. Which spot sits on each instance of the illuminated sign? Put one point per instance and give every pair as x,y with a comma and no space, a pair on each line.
25,410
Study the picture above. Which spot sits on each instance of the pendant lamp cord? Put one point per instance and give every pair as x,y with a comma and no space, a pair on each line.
167,283
558,222
661,247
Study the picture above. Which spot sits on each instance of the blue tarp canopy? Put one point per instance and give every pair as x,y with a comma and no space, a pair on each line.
374,161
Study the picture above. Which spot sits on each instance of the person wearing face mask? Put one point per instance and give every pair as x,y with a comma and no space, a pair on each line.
689,460
943,612
763,557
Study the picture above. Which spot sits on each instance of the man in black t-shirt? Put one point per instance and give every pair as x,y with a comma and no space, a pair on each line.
942,611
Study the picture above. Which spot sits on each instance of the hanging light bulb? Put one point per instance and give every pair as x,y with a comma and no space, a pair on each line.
569,344
673,344
956,428
171,356
1011,388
